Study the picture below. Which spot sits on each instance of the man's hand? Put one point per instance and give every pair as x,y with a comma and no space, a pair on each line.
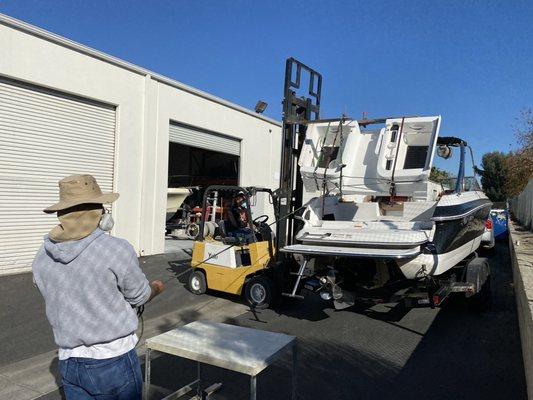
157,288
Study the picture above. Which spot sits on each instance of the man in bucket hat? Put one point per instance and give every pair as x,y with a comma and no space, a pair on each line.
91,283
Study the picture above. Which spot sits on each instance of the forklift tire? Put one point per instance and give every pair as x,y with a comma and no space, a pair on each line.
197,282
259,291
193,230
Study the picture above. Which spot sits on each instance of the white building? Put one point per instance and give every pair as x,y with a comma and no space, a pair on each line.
66,108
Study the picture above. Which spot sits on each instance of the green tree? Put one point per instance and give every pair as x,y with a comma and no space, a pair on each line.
494,175
438,175
519,163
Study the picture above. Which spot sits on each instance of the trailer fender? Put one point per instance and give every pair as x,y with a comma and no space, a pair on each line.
477,273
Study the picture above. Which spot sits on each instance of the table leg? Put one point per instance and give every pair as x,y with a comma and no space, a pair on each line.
199,384
294,370
147,375
253,387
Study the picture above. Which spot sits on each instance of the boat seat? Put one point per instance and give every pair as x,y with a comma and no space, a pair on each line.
419,210
412,211
357,212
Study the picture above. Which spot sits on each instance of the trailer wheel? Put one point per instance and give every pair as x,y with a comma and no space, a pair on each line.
259,291
197,282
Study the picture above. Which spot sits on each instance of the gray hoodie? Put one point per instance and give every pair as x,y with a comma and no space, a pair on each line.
89,287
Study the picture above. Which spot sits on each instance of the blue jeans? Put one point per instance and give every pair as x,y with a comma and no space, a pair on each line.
117,378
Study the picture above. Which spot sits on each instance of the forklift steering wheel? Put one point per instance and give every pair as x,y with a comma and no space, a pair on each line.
261,219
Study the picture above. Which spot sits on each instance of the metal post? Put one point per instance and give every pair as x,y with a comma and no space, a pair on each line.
214,207
147,375
296,109
253,387
199,384
461,174
294,369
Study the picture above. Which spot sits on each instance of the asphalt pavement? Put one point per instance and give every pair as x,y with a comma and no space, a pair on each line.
382,353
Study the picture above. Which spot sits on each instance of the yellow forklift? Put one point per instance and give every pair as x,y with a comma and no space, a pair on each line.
234,252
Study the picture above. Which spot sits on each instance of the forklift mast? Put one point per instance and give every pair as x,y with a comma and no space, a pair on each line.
298,109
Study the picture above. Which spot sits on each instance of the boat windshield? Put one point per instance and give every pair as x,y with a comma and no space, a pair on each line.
470,184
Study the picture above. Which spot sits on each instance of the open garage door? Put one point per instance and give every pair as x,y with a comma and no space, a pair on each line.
196,160
45,136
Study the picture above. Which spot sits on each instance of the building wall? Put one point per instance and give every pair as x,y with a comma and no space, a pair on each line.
260,147
521,248
145,106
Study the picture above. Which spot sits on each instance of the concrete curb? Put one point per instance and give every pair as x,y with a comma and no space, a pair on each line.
521,248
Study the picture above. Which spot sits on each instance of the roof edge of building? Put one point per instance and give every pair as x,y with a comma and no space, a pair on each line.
62,41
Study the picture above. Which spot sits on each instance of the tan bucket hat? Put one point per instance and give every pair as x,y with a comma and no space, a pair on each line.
80,189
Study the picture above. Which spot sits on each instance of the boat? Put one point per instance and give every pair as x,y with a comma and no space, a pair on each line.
377,218
175,198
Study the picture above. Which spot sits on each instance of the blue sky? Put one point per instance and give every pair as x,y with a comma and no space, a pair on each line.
469,61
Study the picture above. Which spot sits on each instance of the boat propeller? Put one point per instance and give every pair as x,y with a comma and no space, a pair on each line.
341,298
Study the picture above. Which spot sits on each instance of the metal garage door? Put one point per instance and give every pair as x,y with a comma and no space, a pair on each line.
204,139
45,136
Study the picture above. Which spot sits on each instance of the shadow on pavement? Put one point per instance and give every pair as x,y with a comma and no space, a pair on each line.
468,355
451,353
448,353
180,270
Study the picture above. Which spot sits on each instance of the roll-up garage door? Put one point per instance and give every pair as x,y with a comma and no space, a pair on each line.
45,136
204,139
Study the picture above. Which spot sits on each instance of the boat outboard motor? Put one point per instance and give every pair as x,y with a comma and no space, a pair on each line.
341,298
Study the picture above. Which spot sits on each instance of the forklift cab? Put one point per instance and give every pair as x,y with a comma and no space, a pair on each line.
235,247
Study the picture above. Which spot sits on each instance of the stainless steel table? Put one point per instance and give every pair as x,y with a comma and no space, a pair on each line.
244,350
